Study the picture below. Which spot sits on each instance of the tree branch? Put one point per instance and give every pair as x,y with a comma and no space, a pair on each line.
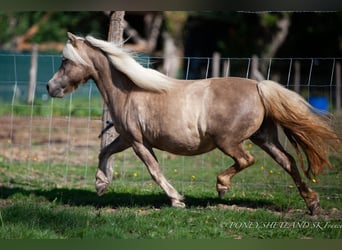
144,45
278,39
22,41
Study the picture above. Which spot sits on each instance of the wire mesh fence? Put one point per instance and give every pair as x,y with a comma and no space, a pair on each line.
55,141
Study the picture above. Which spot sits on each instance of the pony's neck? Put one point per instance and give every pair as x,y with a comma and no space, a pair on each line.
112,84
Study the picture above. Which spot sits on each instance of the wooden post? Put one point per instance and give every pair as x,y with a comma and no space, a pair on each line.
115,34
216,65
297,76
33,74
338,87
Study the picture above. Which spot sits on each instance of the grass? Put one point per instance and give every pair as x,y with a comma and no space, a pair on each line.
36,216
262,203
78,106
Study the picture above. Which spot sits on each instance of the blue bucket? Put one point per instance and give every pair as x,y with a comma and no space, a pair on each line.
320,103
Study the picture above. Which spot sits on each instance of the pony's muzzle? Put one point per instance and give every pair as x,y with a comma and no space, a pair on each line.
54,91
48,88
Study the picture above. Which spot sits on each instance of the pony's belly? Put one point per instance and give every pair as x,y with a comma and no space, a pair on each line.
185,147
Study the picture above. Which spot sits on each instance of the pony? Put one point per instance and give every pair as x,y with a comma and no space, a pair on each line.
190,117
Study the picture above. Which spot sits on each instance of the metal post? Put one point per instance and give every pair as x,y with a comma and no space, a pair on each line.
338,87
297,77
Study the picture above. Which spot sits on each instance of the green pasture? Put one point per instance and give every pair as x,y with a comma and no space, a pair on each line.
59,201
76,105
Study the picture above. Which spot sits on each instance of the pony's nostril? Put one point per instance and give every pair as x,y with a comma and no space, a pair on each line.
48,88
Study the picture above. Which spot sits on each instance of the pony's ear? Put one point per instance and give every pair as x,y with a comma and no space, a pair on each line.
72,39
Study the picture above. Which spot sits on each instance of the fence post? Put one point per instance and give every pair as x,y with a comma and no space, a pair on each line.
297,76
216,65
33,74
338,87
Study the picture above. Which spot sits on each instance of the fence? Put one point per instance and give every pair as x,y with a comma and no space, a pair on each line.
48,137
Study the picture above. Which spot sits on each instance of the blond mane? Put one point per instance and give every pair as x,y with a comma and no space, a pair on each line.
71,53
145,78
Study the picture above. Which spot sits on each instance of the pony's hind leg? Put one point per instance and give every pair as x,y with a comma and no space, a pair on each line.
242,158
267,139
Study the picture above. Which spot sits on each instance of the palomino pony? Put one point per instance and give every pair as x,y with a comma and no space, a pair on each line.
189,117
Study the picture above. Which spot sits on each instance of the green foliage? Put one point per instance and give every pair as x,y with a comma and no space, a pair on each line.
269,19
54,28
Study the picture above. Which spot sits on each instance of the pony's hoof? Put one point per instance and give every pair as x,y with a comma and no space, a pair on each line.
101,188
315,208
101,183
221,191
177,203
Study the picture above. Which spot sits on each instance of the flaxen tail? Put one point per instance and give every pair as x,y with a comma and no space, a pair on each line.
302,125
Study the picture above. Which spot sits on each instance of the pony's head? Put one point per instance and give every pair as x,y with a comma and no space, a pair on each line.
81,62
75,68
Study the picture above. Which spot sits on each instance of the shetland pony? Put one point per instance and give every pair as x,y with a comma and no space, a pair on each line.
189,117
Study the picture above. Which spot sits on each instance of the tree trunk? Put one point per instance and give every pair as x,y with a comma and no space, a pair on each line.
278,39
255,73
172,61
115,34
108,134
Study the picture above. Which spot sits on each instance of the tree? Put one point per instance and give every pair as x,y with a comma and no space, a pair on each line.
21,30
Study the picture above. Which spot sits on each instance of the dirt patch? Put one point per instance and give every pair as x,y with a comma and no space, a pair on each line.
40,139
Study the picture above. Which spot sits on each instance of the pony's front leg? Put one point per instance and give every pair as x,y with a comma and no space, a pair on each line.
104,173
147,156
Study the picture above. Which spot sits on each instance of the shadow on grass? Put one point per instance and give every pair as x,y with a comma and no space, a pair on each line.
81,197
